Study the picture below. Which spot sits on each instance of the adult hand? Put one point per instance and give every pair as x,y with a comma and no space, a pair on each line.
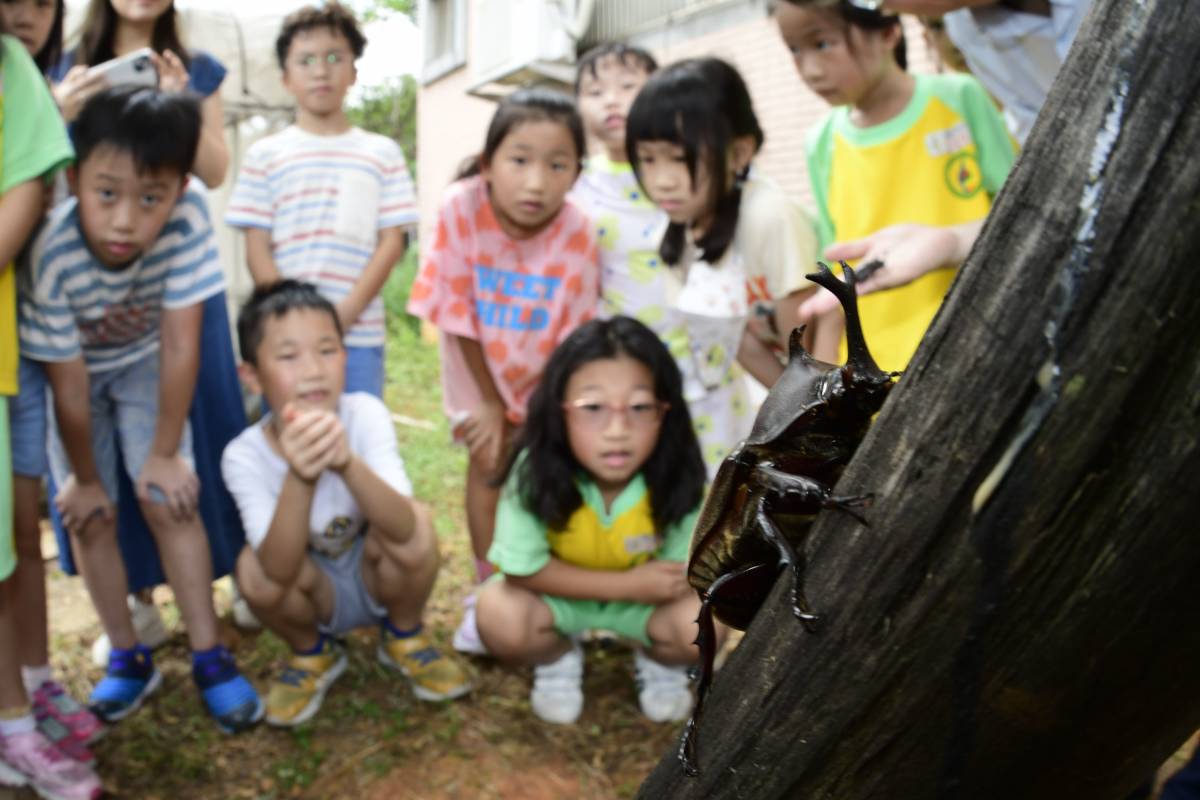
905,252
75,89
79,503
172,74
308,440
175,479
483,433
657,582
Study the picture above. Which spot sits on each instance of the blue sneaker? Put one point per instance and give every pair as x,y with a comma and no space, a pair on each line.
129,679
230,698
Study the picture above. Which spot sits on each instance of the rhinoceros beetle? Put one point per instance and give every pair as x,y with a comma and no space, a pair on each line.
769,490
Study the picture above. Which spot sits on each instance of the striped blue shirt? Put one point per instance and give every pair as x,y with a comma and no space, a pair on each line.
72,304
324,199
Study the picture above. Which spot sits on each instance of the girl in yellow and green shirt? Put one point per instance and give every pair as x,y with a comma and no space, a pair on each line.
896,148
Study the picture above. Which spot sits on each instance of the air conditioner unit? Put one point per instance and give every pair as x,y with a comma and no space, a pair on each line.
515,42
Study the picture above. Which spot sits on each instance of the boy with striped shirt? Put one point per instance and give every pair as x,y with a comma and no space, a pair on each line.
113,309
322,201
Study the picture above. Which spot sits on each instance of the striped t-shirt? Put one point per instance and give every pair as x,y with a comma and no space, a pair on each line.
324,199
73,304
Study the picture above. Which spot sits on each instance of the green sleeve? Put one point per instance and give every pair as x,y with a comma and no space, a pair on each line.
677,540
994,147
520,546
34,138
818,153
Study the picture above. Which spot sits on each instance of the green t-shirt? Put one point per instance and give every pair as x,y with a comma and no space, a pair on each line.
616,538
33,144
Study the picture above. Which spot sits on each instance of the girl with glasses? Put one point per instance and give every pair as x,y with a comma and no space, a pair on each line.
594,523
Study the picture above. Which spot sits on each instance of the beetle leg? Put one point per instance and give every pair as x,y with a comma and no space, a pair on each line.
847,504
706,640
790,557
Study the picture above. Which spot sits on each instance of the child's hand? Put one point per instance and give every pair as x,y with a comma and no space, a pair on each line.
174,479
309,441
347,315
172,74
79,503
657,582
483,432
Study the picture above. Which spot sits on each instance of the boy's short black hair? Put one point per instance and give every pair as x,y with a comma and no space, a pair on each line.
271,302
627,55
332,15
161,130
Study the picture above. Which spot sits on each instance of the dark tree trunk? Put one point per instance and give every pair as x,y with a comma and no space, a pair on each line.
1020,619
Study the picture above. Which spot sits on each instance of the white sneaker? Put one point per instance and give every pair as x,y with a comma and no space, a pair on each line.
243,617
148,625
663,691
466,636
557,694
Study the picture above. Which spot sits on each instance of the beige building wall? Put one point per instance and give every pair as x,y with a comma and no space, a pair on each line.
451,124
450,127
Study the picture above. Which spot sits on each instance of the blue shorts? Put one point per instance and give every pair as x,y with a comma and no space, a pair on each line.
124,402
27,420
364,370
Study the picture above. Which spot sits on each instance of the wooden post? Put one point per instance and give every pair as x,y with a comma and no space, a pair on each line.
1020,619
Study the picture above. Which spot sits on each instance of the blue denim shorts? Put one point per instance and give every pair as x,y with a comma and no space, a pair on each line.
364,370
27,421
124,402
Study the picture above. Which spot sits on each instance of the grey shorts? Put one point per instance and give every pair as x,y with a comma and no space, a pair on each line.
353,606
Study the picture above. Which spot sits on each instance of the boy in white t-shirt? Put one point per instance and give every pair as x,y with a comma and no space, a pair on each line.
335,541
322,201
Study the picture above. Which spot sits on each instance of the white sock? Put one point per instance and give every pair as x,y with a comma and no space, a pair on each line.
34,677
11,726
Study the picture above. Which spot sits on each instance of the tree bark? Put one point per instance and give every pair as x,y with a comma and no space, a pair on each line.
1019,620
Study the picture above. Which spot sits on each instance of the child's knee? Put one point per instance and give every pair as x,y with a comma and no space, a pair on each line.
508,619
253,583
417,553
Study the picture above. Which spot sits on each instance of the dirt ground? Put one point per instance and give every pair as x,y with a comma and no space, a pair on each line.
372,739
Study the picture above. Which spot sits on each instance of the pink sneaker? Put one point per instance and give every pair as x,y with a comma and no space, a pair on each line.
51,700
61,737
29,759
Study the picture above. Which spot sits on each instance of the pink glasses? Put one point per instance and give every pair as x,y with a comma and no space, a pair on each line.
597,416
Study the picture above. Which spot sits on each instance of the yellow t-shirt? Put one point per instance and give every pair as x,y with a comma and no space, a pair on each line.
618,537
33,144
939,162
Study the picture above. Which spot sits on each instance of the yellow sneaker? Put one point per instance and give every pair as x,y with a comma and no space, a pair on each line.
433,675
296,695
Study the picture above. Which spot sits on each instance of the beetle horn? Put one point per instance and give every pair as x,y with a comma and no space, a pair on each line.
795,346
847,294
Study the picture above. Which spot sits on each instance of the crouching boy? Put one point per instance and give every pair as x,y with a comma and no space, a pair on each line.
335,542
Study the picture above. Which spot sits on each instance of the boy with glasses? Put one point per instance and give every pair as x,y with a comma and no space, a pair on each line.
323,201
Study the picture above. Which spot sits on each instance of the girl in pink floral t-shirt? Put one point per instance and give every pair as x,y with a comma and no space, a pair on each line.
513,270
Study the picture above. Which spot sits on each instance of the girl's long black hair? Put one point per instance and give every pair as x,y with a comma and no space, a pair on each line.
701,104
546,467
532,104
100,31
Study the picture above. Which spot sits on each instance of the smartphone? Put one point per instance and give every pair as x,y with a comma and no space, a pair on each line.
132,68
